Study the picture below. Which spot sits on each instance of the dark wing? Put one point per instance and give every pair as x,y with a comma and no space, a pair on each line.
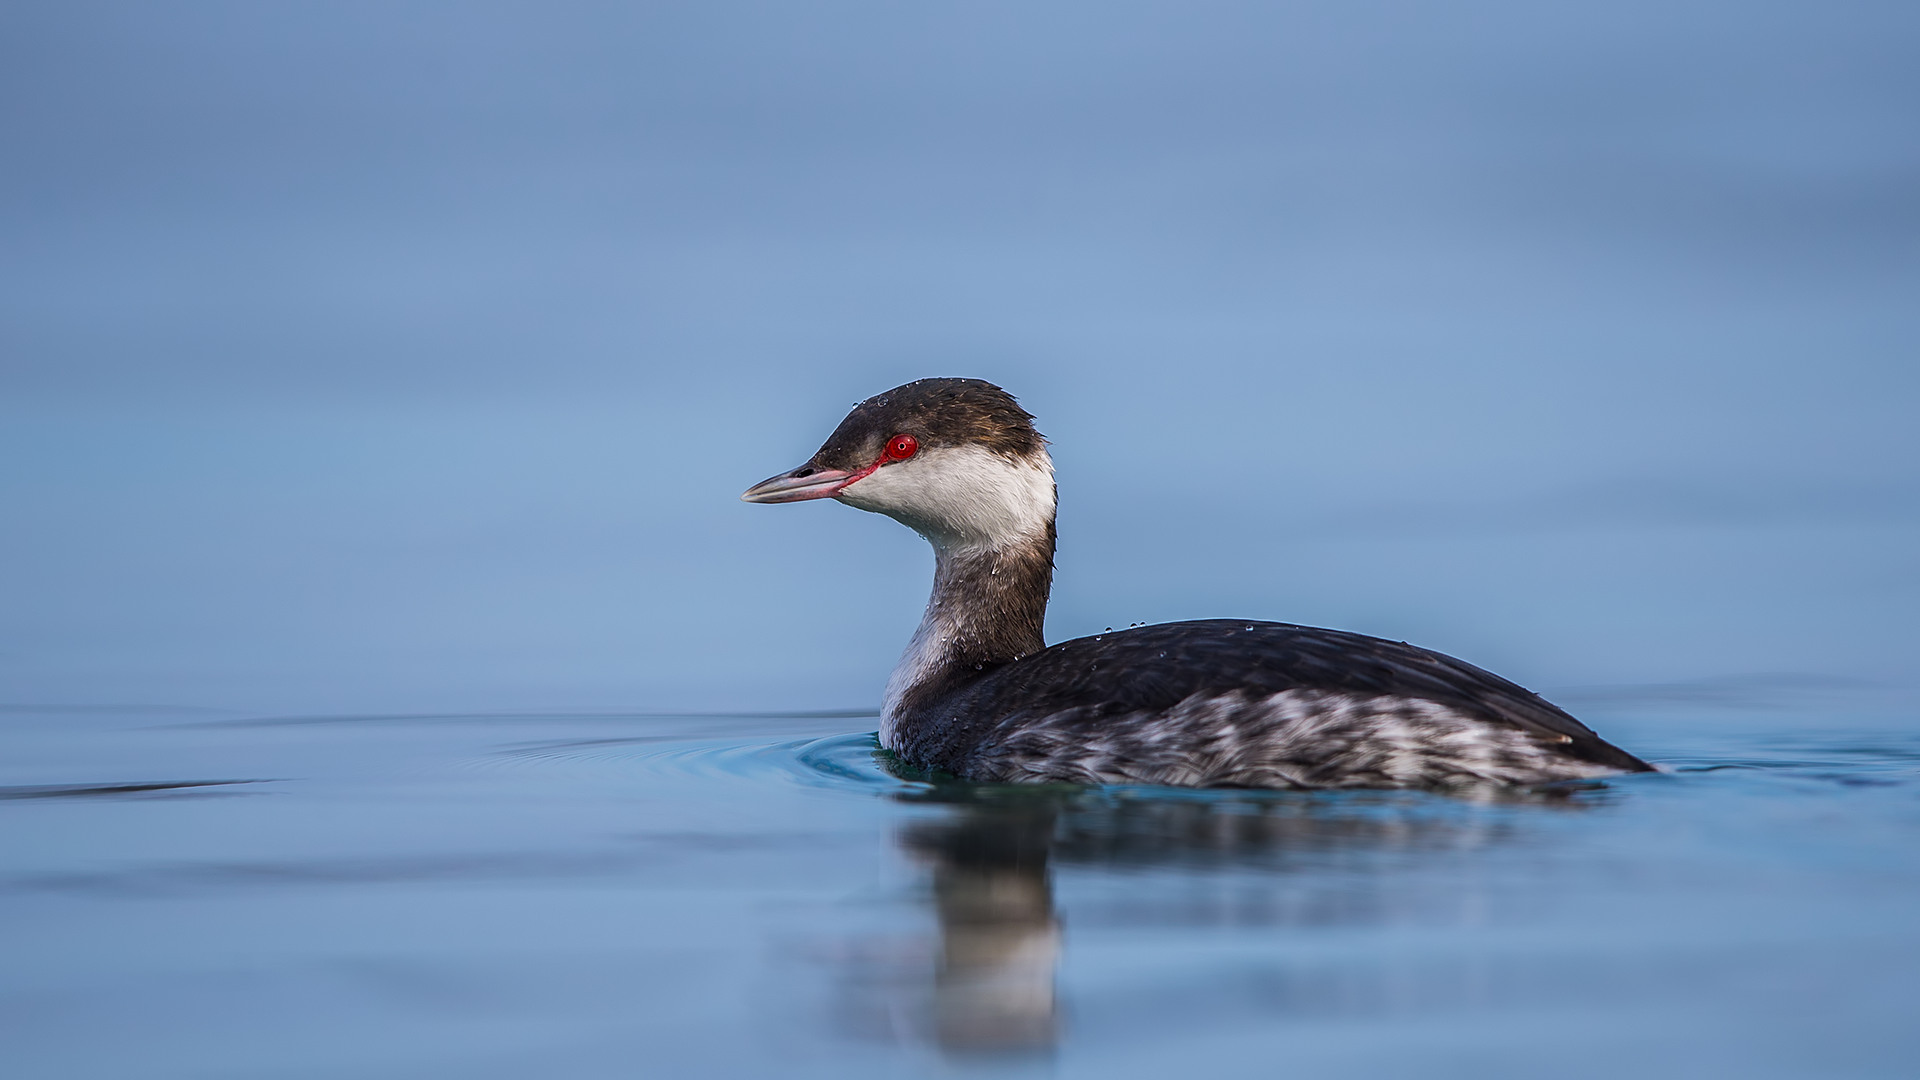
1156,667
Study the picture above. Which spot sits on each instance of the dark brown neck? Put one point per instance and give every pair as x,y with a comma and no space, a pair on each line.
997,599
989,607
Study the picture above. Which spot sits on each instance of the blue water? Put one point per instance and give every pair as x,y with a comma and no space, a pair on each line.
622,895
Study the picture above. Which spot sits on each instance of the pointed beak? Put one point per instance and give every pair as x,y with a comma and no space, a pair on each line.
799,485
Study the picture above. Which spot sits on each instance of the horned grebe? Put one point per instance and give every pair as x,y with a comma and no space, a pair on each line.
1213,703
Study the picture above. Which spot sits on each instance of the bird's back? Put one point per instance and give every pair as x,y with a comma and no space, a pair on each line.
1243,703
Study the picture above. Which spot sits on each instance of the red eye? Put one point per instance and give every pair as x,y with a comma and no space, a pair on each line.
902,447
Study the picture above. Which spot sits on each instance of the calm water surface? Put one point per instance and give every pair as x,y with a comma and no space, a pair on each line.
633,895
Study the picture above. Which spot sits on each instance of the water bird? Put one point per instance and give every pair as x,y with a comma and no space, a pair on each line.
979,694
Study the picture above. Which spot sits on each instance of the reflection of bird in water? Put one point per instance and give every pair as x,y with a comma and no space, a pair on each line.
992,859
999,940
1221,703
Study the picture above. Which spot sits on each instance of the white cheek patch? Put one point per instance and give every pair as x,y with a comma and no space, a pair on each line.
961,497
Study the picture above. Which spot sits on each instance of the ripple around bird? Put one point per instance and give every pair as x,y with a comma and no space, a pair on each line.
854,763
850,762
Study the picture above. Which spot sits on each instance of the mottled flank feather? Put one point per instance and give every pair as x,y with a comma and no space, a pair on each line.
1292,739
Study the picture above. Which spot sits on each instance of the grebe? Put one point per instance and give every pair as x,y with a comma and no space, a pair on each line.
1212,703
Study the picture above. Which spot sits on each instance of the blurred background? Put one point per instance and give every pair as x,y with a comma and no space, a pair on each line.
411,356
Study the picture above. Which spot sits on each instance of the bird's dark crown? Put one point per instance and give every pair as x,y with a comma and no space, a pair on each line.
938,413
